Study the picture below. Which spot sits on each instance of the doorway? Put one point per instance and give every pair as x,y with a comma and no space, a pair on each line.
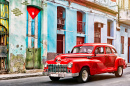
33,39
97,33
60,44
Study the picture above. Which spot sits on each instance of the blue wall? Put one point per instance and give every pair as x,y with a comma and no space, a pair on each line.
51,27
71,25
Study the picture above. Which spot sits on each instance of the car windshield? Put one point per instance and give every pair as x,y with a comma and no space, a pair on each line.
83,49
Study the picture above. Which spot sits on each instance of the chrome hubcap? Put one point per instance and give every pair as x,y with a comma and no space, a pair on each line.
84,75
120,70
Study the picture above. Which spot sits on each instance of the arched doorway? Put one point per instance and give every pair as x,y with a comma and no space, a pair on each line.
3,48
4,35
33,42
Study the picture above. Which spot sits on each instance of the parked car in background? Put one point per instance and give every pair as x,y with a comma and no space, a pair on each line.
85,60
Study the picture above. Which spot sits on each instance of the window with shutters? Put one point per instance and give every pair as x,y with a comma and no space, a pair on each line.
60,18
108,28
97,33
122,44
80,23
109,41
126,30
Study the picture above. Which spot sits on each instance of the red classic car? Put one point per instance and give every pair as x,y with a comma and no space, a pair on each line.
85,60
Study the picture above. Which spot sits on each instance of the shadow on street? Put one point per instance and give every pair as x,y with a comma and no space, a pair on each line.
72,81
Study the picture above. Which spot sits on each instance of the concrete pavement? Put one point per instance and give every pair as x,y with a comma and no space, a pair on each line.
29,73
34,73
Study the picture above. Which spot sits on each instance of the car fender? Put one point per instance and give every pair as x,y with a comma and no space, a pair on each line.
91,65
118,62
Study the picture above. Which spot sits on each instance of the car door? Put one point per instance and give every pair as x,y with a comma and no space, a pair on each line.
100,55
114,56
110,56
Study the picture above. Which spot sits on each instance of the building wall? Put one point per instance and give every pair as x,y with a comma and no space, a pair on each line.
71,25
18,24
17,33
17,37
118,41
111,4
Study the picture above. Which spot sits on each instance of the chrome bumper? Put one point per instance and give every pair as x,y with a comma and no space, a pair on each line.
61,74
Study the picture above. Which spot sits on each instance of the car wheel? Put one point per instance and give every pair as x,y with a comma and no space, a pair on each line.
119,72
54,78
83,75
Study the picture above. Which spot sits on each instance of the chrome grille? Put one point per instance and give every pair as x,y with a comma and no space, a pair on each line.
57,68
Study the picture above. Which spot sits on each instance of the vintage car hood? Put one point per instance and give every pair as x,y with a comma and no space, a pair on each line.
72,57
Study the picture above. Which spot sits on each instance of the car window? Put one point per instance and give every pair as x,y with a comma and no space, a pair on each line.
82,49
108,50
114,50
99,50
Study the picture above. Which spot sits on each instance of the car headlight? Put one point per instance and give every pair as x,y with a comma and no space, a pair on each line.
70,65
45,64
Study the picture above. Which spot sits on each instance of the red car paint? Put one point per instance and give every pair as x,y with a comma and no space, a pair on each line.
97,63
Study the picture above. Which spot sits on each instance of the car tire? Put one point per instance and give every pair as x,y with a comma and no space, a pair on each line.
119,72
83,75
54,78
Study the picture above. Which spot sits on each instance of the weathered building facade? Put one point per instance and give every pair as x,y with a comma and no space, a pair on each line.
38,30
4,35
24,22
75,22
123,32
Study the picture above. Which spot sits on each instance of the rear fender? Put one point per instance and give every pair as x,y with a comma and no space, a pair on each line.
118,62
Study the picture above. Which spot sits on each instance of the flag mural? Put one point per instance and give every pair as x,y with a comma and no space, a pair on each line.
113,0
33,37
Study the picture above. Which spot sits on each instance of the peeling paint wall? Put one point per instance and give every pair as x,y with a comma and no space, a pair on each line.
17,34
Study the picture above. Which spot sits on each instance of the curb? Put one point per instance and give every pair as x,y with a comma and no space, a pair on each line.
19,76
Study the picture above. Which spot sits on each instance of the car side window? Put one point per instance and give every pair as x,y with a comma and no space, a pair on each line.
114,50
99,50
108,50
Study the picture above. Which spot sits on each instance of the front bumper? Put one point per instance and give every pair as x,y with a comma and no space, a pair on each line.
60,74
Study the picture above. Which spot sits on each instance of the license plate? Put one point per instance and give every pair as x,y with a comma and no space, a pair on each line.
56,75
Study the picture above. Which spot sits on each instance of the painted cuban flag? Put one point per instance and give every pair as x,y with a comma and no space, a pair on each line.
113,0
33,27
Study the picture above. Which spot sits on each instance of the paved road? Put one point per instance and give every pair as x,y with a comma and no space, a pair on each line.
97,80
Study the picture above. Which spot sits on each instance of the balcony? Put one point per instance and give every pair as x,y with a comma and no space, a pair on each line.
80,27
124,16
60,23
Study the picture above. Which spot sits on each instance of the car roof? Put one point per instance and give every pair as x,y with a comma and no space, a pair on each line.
95,44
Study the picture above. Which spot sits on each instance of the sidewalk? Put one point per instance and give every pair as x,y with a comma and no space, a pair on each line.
29,73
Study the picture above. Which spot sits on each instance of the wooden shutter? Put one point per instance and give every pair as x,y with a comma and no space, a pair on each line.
59,43
108,28
80,40
122,44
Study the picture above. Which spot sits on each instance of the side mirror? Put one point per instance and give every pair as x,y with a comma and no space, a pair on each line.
68,51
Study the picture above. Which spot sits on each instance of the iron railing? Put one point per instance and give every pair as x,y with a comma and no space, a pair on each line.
80,27
60,23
